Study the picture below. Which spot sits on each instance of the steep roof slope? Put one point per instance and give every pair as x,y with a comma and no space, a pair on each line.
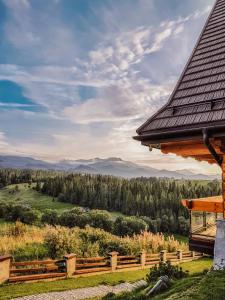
198,99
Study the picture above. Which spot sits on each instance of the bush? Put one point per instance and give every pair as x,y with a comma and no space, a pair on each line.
49,217
30,217
17,229
101,219
32,251
61,241
23,213
129,226
74,218
163,269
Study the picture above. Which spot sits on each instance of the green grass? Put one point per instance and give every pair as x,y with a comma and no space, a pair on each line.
195,268
30,197
23,289
198,266
205,287
179,288
36,200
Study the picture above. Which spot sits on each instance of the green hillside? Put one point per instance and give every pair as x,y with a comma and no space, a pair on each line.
27,196
199,285
205,287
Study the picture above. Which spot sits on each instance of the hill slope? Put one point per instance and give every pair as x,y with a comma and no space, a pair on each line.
28,196
204,287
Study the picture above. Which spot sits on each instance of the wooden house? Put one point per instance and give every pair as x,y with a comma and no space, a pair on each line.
192,123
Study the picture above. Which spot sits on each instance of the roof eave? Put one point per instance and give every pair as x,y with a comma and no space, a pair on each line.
180,134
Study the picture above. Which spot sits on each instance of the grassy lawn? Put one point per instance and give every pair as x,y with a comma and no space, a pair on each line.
198,266
23,289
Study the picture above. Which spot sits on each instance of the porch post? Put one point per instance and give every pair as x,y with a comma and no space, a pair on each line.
219,253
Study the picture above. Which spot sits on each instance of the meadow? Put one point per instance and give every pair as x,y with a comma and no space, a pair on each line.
26,242
26,195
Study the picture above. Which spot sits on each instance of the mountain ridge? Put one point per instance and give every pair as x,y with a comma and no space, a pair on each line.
110,166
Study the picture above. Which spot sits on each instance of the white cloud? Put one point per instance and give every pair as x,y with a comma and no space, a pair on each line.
116,67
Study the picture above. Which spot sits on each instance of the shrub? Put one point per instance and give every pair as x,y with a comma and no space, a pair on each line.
101,219
23,213
61,241
17,229
34,251
165,268
129,225
30,216
49,217
74,218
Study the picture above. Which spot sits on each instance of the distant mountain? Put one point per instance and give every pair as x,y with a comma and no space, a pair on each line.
110,166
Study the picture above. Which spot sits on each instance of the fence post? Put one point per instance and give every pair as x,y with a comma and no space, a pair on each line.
180,254
113,260
163,256
193,254
5,264
70,264
143,258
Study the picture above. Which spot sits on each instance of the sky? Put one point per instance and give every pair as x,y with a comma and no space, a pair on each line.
78,77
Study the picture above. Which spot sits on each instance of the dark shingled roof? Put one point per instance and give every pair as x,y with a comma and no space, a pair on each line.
198,99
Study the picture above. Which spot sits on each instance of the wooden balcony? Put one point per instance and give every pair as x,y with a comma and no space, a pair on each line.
203,215
209,204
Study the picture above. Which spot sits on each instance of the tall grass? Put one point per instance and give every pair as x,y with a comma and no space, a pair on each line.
30,242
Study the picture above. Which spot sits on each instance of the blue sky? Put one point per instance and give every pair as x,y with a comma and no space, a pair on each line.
77,77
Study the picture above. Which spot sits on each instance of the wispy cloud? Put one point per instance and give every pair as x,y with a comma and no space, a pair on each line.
119,51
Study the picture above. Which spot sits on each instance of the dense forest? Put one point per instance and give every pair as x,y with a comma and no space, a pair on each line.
141,196
15,176
153,203
157,199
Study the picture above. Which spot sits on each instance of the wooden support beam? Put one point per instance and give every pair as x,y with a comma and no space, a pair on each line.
190,149
193,149
210,204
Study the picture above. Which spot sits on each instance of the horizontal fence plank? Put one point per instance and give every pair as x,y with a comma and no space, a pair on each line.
85,271
84,265
128,266
91,258
43,269
36,262
126,257
36,277
128,261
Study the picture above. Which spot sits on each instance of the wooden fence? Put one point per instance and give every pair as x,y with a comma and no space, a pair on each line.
71,265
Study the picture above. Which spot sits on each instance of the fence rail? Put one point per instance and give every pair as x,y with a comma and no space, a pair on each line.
37,270
71,265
